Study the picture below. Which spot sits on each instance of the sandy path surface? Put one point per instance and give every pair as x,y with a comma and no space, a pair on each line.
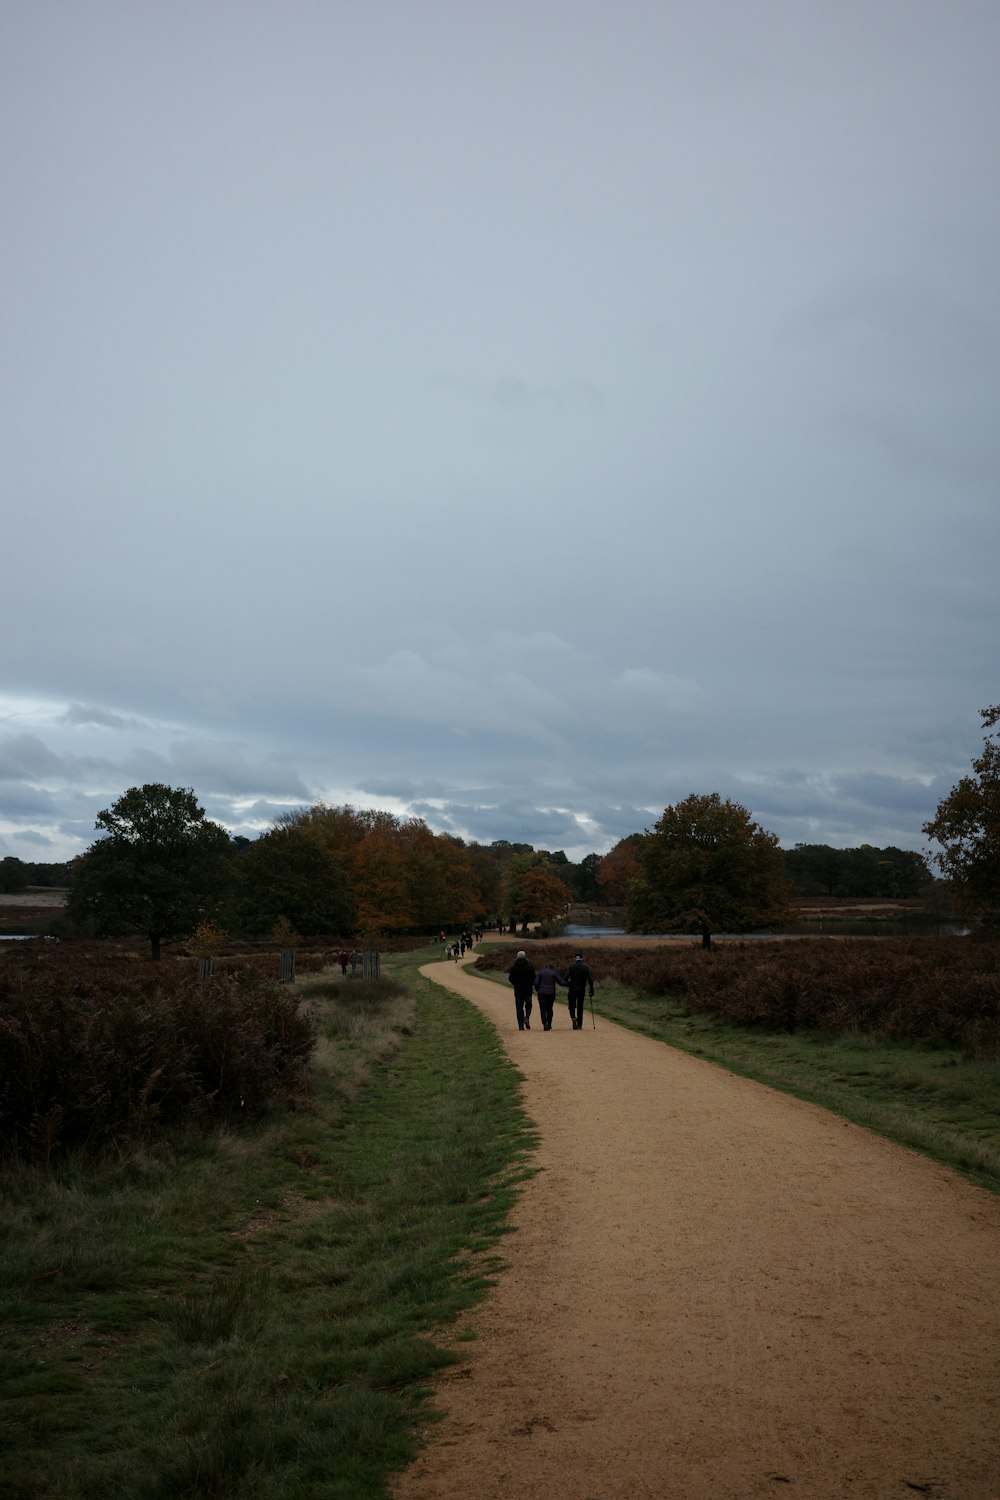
716,1292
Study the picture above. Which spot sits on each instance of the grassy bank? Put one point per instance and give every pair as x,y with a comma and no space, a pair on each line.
255,1313
933,1099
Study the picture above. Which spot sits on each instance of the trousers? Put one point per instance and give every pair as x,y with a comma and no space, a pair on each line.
576,1007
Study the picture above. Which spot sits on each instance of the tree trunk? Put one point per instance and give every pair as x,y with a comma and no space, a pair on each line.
706,938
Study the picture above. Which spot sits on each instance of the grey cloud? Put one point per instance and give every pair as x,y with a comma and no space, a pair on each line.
897,794
88,714
519,823
217,767
27,755
660,472
249,821
34,841
402,788
515,396
21,801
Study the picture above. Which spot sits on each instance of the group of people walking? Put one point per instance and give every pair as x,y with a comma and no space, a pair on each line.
457,949
577,980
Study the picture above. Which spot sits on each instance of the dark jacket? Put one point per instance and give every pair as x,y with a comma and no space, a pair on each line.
578,977
522,976
546,980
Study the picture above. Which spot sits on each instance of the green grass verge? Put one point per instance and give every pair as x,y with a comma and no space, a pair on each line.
258,1313
933,1100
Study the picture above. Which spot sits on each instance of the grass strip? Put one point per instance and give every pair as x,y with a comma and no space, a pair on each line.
258,1313
933,1100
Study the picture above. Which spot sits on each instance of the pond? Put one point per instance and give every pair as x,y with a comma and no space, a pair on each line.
915,926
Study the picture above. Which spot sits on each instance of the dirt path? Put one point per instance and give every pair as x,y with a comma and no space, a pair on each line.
717,1292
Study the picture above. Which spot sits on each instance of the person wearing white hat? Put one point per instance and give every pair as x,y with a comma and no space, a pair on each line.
522,976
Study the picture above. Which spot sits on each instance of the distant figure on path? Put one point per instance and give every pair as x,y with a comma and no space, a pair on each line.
545,983
343,958
522,976
578,977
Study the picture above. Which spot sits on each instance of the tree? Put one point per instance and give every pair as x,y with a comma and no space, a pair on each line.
534,892
618,868
967,826
160,868
707,865
13,874
891,873
584,879
286,873
816,869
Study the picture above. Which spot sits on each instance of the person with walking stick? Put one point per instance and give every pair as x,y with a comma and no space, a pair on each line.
578,977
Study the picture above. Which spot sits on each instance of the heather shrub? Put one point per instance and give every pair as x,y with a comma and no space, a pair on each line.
941,991
104,1050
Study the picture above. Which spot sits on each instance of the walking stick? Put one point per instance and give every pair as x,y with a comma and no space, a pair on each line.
592,1021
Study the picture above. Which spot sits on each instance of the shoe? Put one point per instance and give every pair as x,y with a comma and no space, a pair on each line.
527,1025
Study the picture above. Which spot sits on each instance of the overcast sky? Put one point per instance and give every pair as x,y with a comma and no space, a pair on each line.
520,415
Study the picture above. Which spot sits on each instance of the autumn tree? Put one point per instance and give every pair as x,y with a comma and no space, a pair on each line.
486,876
618,868
534,892
382,890
967,826
160,867
445,890
708,867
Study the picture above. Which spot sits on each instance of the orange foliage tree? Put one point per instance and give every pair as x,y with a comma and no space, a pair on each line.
534,892
618,868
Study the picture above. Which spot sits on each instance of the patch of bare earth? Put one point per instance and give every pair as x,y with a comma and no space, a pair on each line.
716,1292
38,899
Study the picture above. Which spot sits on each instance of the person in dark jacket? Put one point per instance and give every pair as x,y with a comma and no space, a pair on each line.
578,977
522,976
545,984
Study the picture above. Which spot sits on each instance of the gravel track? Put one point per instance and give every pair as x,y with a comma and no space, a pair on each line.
717,1292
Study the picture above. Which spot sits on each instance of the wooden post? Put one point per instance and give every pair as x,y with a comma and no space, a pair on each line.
286,973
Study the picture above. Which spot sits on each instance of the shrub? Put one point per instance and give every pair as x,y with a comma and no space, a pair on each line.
99,1050
942,991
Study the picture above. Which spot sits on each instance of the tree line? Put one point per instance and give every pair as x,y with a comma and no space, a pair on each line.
160,867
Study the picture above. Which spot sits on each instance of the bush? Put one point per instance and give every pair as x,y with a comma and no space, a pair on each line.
942,991
98,1050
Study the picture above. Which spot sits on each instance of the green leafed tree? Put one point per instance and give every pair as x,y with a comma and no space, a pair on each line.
708,867
288,873
967,826
160,867
13,874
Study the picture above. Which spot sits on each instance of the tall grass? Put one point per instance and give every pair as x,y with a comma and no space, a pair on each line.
256,1312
